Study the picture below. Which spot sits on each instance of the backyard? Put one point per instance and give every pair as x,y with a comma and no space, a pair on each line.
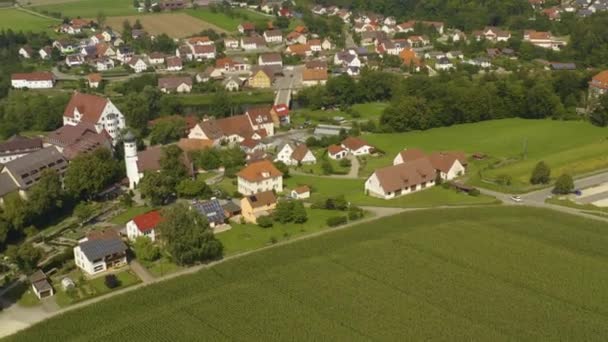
493,273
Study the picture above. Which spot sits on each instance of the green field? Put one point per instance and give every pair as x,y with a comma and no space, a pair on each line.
226,22
485,274
89,8
17,20
567,146
353,191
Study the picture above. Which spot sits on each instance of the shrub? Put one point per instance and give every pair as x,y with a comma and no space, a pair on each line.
355,213
265,221
474,192
345,162
336,221
541,174
111,281
564,185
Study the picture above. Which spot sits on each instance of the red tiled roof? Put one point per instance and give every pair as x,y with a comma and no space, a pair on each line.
34,76
147,221
335,149
259,171
354,143
89,106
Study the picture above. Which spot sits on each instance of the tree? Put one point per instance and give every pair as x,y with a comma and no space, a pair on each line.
282,167
137,25
172,164
599,116
168,130
207,159
564,185
326,167
15,211
281,22
83,210
342,90
90,173
101,19
407,113
25,256
299,213
221,104
265,221
155,188
187,236
196,188
284,211
46,195
145,249
541,174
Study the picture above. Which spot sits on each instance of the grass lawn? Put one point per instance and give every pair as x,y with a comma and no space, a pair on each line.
89,8
22,21
370,110
226,22
127,215
482,274
244,237
240,98
91,288
590,208
566,146
317,169
227,185
352,189
362,112
162,267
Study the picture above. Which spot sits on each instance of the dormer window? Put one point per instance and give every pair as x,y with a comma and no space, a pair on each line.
265,174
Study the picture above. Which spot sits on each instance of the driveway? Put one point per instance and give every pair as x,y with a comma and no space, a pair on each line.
141,272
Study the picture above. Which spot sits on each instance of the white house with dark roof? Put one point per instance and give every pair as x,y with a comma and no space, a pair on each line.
99,252
95,111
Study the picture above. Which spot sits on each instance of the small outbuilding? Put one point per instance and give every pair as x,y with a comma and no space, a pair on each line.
40,285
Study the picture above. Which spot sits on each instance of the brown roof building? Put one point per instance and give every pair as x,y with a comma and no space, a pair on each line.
258,177
18,146
401,179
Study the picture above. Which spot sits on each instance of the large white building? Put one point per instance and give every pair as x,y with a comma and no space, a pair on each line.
33,80
99,252
259,177
95,111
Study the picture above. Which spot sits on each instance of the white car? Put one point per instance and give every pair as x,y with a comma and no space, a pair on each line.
517,199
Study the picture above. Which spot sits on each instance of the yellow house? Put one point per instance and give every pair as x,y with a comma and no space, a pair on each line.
257,205
261,78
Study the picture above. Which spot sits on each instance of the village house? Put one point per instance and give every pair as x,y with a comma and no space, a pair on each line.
94,110
444,64
40,285
280,115
300,193
104,64
94,80
144,225
252,43
249,145
232,64
336,152
411,60
312,77
105,50
212,210
261,78
64,46
174,63
254,206
259,177
156,58
203,52
261,119
138,64
124,54
301,50
543,40
231,43
296,38
273,36
33,80
20,174
357,146
175,84
45,53
17,146
26,52
232,83
295,155
72,141
246,28
270,59
99,252
401,179
74,60
493,34
598,85
233,129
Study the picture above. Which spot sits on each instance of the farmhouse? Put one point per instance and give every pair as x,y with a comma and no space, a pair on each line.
261,78
20,174
40,285
144,225
357,146
17,146
258,177
201,52
33,80
156,58
96,111
175,84
401,179
174,63
448,165
257,205
99,252
233,129
252,43
298,155
273,36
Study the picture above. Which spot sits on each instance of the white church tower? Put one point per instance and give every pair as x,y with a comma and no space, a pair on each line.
131,159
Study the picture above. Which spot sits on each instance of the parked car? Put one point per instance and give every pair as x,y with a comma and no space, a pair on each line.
517,199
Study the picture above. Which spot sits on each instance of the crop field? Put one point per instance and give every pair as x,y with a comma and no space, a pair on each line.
491,274
175,25
227,23
87,8
574,147
22,21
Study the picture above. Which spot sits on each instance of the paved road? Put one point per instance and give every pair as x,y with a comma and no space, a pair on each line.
285,85
141,271
579,183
